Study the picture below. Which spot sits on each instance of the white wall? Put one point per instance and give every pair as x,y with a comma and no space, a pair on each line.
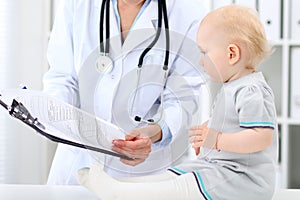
25,160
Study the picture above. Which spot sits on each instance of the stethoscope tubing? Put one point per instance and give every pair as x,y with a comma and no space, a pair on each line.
142,56
101,27
162,15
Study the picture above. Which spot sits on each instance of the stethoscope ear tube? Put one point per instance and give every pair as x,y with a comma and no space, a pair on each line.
159,13
101,28
104,63
167,32
162,9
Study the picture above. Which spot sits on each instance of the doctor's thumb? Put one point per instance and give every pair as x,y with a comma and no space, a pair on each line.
133,134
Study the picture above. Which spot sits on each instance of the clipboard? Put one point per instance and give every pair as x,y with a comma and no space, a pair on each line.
18,111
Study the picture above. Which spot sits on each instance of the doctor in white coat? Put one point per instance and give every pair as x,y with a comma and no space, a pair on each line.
117,96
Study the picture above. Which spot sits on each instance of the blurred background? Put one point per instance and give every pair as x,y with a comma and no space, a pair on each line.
25,27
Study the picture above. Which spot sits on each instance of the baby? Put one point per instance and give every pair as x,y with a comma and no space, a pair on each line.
237,146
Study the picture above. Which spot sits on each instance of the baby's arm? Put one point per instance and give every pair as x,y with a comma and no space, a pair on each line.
258,124
247,141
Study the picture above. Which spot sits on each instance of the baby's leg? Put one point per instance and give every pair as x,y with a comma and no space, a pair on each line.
182,187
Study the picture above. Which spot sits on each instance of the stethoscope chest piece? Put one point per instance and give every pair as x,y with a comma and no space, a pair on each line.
104,64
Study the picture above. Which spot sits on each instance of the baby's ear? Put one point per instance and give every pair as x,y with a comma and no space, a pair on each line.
233,54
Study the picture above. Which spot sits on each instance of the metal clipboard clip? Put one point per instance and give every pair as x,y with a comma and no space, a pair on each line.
19,111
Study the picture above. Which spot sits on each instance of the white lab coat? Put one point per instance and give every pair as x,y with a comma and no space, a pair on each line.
73,49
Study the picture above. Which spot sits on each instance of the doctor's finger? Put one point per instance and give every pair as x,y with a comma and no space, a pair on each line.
134,143
132,135
145,150
122,152
138,143
132,154
141,153
132,162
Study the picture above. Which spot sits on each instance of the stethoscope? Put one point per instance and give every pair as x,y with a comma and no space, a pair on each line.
104,63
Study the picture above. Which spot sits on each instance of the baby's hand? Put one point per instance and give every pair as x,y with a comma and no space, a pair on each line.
202,136
197,136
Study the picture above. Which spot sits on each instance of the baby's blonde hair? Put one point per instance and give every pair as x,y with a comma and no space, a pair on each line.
242,24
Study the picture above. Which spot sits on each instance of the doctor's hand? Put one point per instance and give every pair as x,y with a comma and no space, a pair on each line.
137,144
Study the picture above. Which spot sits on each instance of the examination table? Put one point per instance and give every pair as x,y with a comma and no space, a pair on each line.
45,192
